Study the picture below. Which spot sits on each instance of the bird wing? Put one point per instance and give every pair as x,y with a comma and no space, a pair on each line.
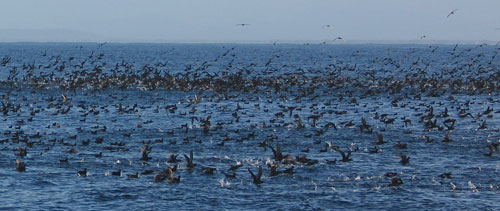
253,175
341,152
272,149
278,149
451,13
380,137
259,175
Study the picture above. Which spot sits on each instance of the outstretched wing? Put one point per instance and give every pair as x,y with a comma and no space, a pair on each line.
253,175
274,151
451,13
380,137
341,152
259,175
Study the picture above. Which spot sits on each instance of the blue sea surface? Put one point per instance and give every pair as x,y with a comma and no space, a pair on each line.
309,99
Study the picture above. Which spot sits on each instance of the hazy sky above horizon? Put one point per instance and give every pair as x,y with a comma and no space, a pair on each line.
215,20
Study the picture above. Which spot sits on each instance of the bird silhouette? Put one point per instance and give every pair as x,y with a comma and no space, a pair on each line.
256,178
451,13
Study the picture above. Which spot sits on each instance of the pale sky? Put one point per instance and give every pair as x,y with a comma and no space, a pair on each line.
215,20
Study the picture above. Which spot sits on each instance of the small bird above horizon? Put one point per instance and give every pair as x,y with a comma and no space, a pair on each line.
338,38
451,13
422,37
243,24
328,26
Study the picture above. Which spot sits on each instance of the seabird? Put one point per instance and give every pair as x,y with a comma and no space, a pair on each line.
189,160
82,173
404,159
345,158
20,166
451,13
256,178
396,181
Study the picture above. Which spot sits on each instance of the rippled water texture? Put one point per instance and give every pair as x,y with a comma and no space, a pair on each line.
234,104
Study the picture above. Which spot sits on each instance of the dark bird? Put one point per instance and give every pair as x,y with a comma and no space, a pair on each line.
451,13
495,146
233,175
278,156
400,145
189,160
209,170
145,152
490,152
375,149
427,139
345,158
390,174
338,38
404,159
273,170
173,179
82,173
20,166
242,24
445,175
396,181
380,139
173,158
148,171
65,160
117,173
256,178
133,176
447,137
483,125
288,170
235,167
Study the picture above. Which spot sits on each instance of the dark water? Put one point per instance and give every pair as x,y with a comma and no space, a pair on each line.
126,94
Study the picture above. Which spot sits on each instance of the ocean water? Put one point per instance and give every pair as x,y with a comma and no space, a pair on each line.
309,99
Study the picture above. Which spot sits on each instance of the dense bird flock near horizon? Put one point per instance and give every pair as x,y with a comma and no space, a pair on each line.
238,122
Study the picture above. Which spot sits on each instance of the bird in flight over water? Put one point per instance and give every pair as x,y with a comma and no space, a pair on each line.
328,26
242,24
338,38
451,13
422,37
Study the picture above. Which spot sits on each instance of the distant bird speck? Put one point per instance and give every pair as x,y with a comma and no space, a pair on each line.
451,13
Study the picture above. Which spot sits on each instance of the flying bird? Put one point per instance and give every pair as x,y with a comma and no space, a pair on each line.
338,38
242,24
422,37
328,26
451,13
